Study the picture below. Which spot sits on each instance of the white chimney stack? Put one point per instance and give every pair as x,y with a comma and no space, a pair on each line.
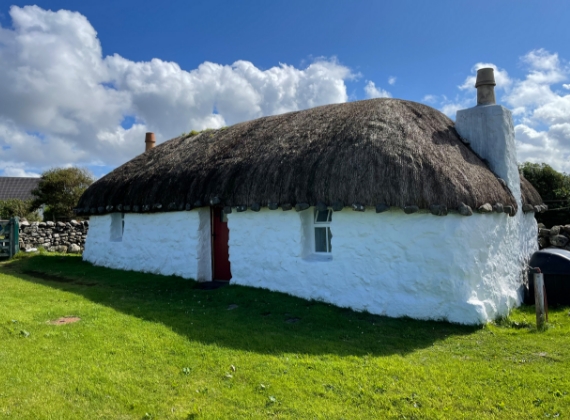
488,128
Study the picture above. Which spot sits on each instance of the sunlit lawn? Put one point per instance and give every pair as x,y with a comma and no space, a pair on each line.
150,346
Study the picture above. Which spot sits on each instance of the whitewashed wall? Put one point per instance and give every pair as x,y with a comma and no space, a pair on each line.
162,243
462,269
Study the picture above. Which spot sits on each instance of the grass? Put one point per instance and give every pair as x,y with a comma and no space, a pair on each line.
150,346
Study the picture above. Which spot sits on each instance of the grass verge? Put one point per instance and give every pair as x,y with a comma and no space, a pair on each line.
150,346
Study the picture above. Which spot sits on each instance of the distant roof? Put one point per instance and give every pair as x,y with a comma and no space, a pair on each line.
17,187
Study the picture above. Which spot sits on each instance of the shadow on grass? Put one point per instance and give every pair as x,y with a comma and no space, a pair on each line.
235,317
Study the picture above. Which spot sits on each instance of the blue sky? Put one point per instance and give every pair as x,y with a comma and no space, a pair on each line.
417,50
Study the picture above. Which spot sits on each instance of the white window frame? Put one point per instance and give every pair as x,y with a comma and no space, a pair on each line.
328,232
117,227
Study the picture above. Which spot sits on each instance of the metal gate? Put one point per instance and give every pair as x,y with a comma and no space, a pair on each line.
9,237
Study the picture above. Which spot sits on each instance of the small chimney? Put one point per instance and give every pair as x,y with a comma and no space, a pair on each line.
485,85
149,141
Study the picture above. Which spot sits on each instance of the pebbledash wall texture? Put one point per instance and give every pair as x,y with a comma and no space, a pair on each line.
468,270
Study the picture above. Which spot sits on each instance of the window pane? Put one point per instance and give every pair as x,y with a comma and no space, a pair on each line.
329,237
321,239
321,216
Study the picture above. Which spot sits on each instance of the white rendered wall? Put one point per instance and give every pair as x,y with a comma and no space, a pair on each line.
162,243
461,269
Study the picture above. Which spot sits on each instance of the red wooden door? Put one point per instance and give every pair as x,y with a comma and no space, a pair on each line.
220,237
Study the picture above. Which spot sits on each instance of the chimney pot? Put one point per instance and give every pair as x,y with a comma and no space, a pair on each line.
485,85
149,141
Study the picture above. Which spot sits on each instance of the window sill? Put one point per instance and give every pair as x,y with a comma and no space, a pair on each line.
322,257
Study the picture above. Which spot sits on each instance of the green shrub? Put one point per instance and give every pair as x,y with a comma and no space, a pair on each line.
20,208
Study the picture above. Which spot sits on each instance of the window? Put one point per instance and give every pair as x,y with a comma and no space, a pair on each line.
117,226
323,235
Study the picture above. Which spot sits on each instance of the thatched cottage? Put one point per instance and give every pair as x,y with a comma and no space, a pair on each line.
381,205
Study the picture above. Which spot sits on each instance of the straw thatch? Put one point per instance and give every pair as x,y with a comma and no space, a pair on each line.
378,152
532,201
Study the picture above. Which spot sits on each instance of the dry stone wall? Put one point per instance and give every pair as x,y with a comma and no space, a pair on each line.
54,236
556,236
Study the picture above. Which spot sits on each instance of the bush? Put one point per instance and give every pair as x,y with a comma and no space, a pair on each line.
20,208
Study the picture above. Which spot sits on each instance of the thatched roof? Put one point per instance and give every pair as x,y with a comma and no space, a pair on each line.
385,152
530,196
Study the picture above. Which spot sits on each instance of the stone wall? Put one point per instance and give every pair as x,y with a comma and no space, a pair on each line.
54,237
556,236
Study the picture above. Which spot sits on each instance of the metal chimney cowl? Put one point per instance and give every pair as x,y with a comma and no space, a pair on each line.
485,85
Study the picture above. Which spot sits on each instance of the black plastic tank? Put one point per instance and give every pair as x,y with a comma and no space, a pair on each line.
554,263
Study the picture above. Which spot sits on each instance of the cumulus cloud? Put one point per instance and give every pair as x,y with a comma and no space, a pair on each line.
64,103
392,80
15,169
541,111
373,92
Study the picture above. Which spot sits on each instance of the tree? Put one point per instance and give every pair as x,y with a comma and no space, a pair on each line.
553,187
60,190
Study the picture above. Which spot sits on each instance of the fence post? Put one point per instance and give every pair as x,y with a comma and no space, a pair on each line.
539,300
14,236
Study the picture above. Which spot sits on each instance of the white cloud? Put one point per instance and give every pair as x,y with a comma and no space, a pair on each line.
392,80
550,146
541,113
17,171
373,92
450,108
63,102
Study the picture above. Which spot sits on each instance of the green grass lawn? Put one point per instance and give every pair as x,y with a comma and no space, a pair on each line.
150,346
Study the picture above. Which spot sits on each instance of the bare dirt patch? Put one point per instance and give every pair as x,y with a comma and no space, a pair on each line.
64,320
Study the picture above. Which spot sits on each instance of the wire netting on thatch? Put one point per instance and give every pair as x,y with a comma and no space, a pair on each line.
378,151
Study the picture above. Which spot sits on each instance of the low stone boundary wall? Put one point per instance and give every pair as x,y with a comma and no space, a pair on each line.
556,236
54,237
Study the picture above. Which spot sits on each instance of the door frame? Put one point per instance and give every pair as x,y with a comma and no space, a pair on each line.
213,239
